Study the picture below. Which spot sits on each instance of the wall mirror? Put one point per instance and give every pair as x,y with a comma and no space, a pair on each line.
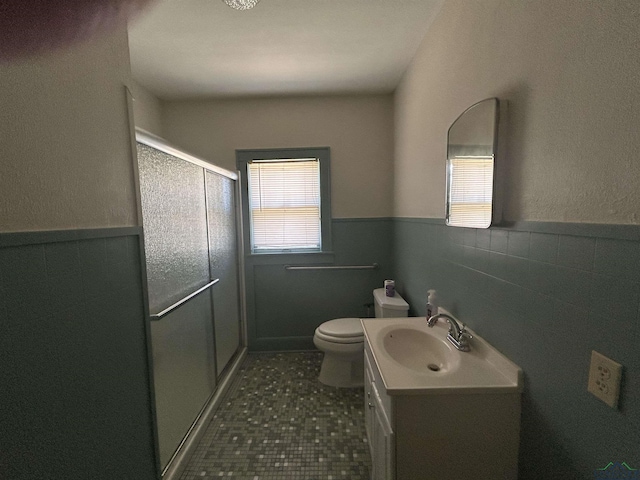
471,148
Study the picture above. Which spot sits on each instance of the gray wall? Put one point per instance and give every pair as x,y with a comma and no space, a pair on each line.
75,400
358,128
285,307
545,300
66,145
75,395
568,71
147,109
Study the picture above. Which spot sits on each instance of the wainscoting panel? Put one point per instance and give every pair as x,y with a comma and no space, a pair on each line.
285,307
545,299
75,396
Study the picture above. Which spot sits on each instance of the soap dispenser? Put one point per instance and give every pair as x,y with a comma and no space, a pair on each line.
432,306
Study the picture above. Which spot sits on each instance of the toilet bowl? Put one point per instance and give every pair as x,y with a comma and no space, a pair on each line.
342,341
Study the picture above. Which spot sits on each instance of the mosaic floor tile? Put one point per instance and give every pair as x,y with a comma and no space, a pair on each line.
278,422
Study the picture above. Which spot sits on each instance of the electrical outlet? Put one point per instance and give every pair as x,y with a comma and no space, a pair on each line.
604,378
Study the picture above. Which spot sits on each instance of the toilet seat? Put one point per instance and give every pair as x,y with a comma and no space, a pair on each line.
341,330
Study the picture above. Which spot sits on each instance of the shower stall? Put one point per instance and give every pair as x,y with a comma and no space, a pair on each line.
191,242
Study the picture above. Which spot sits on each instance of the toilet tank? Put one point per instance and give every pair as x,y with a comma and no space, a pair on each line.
387,307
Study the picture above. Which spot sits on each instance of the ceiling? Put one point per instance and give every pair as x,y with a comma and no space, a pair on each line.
203,48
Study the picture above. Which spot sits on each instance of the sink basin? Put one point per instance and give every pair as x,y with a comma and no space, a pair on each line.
420,351
415,359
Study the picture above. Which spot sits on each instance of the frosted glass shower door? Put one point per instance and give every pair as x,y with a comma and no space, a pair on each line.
177,256
223,258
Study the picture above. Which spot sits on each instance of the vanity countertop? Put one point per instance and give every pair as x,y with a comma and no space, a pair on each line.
414,359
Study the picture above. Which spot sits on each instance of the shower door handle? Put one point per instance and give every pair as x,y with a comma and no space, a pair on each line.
159,315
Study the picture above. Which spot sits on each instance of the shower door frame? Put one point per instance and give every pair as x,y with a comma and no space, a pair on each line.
158,143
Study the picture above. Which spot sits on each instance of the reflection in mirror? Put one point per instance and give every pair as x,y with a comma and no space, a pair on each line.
471,147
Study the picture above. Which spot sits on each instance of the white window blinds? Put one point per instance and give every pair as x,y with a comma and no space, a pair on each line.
284,204
471,191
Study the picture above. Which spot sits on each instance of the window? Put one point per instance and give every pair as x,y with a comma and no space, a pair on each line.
286,199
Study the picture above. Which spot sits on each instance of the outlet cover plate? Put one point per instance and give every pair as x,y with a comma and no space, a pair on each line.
604,378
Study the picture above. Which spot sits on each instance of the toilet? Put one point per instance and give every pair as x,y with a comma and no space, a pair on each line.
342,341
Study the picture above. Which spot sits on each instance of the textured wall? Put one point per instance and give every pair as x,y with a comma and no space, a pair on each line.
359,130
75,400
569,71
544,300
64,136
76,389
285,307
147,109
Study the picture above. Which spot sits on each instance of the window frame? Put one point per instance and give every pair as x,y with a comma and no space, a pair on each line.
244,157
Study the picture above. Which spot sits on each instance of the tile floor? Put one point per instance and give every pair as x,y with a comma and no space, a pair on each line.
278,422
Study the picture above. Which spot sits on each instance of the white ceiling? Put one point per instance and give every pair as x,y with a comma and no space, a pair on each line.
203,48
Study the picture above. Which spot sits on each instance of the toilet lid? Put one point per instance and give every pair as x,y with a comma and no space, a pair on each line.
342,328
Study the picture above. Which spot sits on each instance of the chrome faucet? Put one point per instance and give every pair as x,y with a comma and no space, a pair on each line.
457,335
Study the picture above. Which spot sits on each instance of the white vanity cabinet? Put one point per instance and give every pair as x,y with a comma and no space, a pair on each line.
439,435
379,431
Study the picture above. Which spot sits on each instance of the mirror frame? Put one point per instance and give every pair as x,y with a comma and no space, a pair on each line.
496,207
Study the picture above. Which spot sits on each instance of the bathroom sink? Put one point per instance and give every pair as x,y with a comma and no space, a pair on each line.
419,350
413,358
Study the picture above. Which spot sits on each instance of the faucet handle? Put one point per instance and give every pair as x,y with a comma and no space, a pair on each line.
464,335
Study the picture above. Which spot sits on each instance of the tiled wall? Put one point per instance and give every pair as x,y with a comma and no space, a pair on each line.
545,300
75,396
285,307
